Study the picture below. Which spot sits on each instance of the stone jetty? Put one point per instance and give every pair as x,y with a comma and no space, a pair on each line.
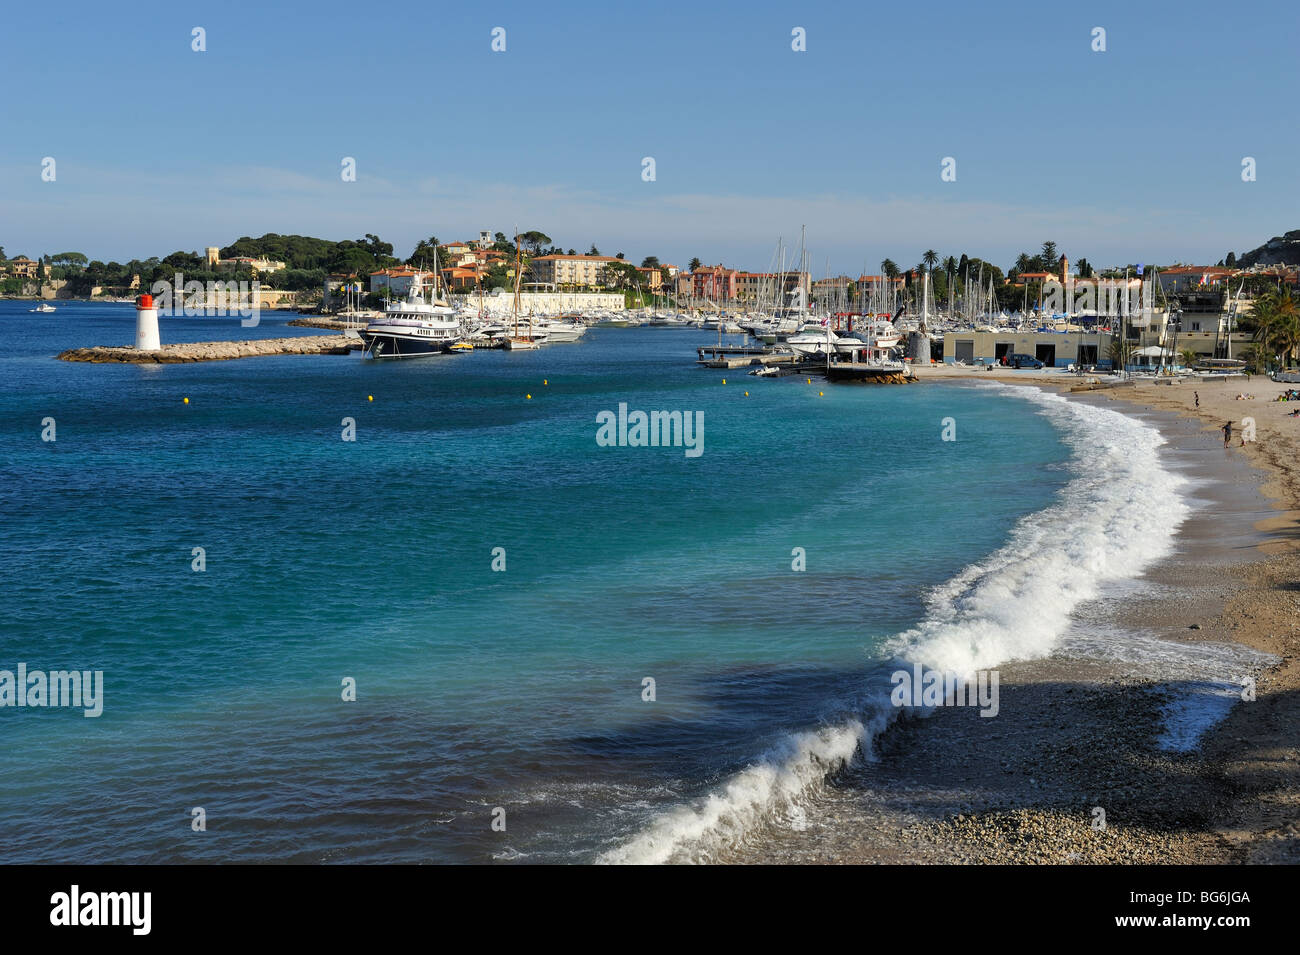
215,351
321,321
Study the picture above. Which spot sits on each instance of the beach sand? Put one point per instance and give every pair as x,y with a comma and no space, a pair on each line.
1076,734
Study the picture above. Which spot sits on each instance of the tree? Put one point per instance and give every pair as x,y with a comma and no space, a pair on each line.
378,248
1120,351
620,276
693,265
1024,263
888,269
1188,356
425,252
1275,319
1230,260
1256,356
593,250
982,270
1049,256
618,255
930,258
1085,269
67,258
186,261
650,262
533,241
571,252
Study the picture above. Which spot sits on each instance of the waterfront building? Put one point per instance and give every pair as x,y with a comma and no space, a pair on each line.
24,267
1183,278
581,271
218,264
397,281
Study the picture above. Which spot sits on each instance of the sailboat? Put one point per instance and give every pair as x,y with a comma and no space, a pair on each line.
533,339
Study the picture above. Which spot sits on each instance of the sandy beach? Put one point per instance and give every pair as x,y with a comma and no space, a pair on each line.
1078,735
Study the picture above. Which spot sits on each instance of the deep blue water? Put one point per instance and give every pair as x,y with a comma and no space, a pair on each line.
372,560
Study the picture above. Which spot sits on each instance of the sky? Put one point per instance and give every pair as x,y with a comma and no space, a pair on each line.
1125,155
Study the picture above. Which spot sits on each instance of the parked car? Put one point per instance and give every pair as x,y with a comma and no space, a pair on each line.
1023,361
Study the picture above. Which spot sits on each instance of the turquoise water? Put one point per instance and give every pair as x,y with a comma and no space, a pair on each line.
372,560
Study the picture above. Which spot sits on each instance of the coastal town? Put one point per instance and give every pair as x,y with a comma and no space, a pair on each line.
1043,311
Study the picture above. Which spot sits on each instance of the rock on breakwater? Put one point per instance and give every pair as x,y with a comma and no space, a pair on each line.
214,351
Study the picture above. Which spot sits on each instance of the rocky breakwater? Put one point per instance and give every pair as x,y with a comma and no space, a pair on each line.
215,351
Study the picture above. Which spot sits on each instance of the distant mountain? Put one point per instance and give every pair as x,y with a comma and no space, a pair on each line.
1279,250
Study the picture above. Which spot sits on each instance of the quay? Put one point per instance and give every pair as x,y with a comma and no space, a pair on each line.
740,356
868,373
214,351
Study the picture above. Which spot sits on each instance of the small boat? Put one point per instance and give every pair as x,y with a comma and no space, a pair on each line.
1219,366
525,342
43,307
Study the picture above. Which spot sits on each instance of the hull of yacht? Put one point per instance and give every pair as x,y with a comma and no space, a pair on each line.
404,343
810,346
561,332
524,342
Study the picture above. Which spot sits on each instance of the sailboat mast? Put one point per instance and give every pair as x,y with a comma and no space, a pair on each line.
518,276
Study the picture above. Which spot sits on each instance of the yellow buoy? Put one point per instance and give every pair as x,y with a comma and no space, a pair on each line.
724,381
821,394
747,394
529,397
187,400
370,397
545,382
810,381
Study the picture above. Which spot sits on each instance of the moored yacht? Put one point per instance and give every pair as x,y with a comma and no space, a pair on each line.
559,330
413,327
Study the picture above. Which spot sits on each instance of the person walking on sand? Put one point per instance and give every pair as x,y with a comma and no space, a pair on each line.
1227,434
1197,396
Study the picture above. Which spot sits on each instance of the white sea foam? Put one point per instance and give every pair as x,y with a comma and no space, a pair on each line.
1113,519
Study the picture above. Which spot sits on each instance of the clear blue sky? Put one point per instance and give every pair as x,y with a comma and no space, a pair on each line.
1133,154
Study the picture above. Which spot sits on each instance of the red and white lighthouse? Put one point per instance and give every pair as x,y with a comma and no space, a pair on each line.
146,324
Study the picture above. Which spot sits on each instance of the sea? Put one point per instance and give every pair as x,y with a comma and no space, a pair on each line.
413,611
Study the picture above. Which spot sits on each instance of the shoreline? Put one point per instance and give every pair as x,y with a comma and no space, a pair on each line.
1235,797
1078,732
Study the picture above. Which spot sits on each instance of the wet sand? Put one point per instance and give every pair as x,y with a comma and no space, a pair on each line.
1080,733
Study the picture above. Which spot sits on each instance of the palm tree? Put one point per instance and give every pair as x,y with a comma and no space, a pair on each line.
1275,316
889,269
1256,356
1188,357
1120,351
1024,263
930,257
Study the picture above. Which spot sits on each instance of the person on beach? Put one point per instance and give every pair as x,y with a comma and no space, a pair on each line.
1227,434
1197,396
